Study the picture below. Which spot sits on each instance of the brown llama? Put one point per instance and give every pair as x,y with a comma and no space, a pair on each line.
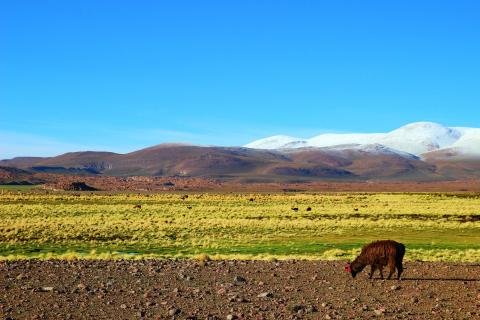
379,254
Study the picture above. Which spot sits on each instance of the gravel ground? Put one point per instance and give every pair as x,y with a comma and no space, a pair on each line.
165,289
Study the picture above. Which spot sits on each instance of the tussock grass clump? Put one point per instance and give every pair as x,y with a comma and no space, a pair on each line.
202,257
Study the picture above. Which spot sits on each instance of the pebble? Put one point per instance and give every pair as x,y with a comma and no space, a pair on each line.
265,295
81,286
311,309
297,308
239,279
174,311
379,312
46,289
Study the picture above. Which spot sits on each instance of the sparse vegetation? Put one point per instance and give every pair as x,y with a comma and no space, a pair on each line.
19,187
66,225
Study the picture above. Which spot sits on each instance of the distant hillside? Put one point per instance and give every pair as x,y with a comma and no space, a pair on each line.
346,162
422,151
9,175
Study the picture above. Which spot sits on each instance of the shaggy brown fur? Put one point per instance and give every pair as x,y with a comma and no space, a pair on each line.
379,254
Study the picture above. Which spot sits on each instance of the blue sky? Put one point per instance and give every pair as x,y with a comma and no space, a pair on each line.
122,75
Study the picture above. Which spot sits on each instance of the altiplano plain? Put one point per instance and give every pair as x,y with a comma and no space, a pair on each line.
433,226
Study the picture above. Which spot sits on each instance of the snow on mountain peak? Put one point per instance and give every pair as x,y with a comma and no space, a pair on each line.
374,148
420,137
469,142
414,138
274,142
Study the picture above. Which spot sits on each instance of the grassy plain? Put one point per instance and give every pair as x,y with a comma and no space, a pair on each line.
433,226
17,187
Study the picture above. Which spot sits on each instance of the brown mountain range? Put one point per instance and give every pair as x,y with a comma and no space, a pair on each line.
253,165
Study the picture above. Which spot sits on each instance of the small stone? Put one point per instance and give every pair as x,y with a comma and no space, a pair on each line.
297,308
265,295
174,311
46,289
239,279
231,317
414,300
311,309
327,316
393,288
379,312
123,306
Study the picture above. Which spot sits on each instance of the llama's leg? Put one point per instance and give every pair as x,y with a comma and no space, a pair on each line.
399,270
391,267
381,271
372,270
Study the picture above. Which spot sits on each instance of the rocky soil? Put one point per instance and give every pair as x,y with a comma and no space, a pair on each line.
159,289
63,182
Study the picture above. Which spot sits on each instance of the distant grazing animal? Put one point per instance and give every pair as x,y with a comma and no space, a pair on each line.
379,254
309,209
295,209
137,206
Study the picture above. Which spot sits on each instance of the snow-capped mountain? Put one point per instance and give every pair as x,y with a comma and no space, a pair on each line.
469,142
373,148
415,138
274,142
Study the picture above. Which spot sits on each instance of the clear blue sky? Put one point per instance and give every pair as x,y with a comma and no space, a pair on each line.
121,75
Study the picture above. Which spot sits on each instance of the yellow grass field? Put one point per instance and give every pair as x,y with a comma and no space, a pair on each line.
434,227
